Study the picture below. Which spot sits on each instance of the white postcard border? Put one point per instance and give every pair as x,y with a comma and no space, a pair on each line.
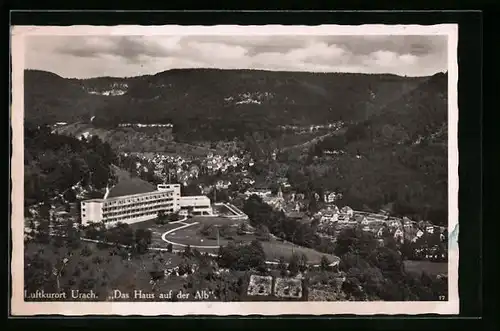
21,308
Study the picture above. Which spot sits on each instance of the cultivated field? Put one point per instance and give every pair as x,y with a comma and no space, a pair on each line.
274,249
432,268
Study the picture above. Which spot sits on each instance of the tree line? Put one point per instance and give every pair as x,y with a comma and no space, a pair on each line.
376,271
263,217
54,163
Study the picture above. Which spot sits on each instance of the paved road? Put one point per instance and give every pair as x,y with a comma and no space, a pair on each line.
183,226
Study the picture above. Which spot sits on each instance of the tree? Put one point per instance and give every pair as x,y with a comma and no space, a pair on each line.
70,195
184,268
355,240
187,251
242,229
169,248
160,217
257,256
73,239
324,263
173,217
258,212
228,255
313,204
86,251
221,196
43,229
352,287
282,266
303,263
227,231
206,229
294,264
124,234
38,273
190,189
142,240
242,257
389,262
262,233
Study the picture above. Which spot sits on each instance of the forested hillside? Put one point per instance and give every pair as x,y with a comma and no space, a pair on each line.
210,104
54,163
49,98
398,157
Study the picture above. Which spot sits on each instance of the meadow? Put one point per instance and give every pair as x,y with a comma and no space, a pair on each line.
431,268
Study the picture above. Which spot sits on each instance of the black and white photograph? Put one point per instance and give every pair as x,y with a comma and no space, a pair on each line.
234,169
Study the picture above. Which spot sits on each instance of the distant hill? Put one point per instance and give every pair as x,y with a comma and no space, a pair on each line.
212,104
397,155
422,112
49,98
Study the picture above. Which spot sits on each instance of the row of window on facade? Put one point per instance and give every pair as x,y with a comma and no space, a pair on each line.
194,207
135,205
129,217
133,211
138,199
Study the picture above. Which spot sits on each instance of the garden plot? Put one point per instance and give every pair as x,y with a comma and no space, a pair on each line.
288,288
260,285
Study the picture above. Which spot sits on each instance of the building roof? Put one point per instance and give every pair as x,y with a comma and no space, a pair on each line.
129,187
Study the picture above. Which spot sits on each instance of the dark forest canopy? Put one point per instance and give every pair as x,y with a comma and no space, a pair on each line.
54,163
211,104
397,156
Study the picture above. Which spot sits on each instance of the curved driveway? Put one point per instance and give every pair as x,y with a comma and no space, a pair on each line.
183,226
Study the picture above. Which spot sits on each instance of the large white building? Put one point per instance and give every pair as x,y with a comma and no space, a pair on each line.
133,208
199,205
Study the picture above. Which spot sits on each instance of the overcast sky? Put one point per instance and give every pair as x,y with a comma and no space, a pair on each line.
125,56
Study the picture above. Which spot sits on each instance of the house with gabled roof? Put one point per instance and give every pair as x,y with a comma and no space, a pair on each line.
380,232
399,235
347,211
365,220
329,197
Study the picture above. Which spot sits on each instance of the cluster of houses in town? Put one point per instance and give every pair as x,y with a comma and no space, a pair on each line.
331,219
224,163
291,203
169,167
288,203
380,224
174,167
